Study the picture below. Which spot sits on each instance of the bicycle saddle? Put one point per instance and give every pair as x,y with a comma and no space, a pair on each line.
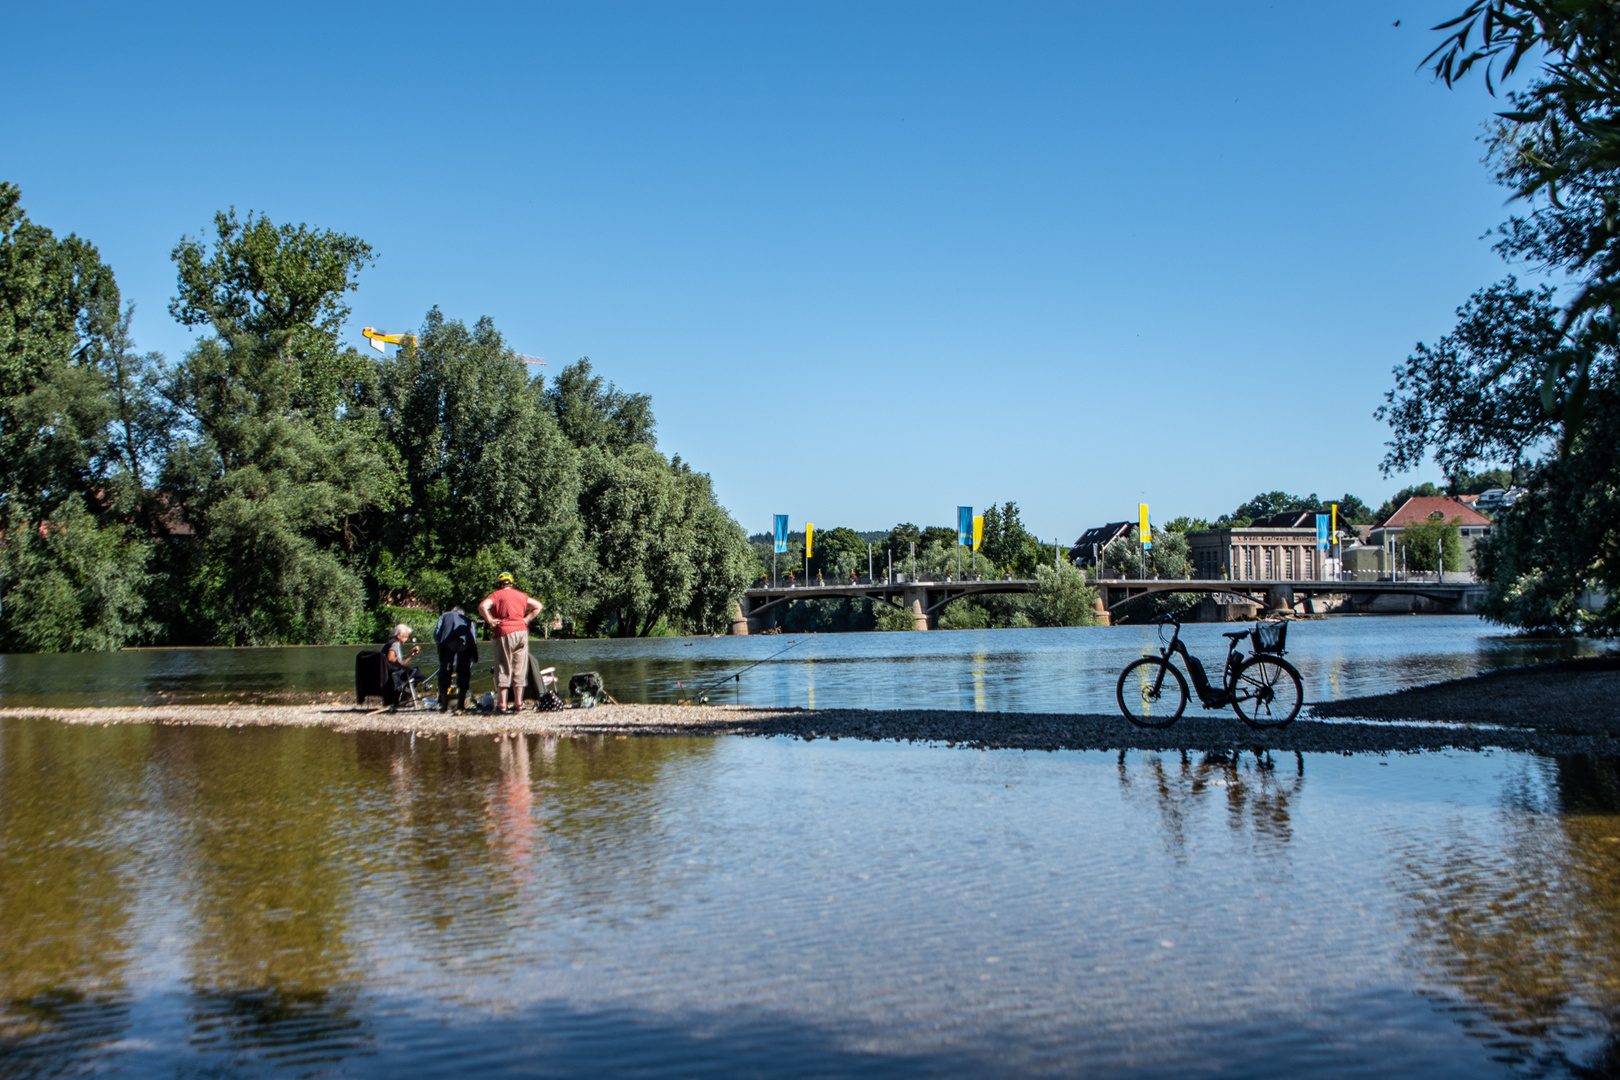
1235,634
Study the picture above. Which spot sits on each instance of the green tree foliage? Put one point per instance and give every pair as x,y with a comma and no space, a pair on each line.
1007,544
1352,510
661,547
838,551
1463,482
1185,524
296,482
1563,538
282,456
58,316
1472,398
69,423
73,584
1426,542
1170,557
1556,150
1062,597
492,483
594,414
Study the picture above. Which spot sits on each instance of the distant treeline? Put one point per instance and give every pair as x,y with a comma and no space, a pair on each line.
276,486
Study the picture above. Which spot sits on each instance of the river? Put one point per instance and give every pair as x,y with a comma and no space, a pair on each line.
1060,670
296,902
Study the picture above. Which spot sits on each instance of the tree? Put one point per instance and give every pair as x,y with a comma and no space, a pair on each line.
1562,539
1185,524
1170,556
660,545
1556,150
58,315
1264,505
1463,482
1061,597
487,468
1424,543
282,286
1007,544
72,584
283,455
1473,397
73,574
592,414
838,551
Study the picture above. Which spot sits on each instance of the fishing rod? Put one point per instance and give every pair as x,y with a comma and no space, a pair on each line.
697,695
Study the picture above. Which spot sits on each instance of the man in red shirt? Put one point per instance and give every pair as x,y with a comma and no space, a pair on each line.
508,611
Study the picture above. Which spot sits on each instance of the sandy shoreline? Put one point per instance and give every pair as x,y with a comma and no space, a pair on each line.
1555,708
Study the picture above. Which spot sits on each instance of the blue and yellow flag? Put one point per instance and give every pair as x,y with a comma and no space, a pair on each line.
781,534
964,526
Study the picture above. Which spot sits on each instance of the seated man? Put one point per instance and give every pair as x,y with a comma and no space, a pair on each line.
398,660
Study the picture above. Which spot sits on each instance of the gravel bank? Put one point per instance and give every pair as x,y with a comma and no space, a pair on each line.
1579,696
1022,731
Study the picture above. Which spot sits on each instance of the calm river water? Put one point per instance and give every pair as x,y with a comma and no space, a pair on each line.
280,902
244,902
1062,670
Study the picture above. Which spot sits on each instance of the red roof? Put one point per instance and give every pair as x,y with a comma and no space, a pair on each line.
1421,510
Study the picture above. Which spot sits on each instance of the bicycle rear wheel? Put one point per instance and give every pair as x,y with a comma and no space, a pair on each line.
1267,692
1151,692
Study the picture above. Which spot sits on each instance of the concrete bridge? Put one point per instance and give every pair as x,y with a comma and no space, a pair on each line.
759,609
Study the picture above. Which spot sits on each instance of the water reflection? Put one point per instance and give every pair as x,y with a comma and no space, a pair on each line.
998,670
1255,787
189,900
1519,923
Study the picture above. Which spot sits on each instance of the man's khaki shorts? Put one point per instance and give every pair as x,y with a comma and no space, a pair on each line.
512,659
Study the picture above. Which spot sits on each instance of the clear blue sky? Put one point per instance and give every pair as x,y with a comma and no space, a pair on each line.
871,261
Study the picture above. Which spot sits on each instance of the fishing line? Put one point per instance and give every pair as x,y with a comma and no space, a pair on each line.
736,675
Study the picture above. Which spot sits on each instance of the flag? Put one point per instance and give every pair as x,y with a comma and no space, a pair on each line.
781,534
1321,531
978,531
809,538
964,526
1144,526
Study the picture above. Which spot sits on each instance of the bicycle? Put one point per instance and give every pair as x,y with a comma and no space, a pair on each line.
1262,688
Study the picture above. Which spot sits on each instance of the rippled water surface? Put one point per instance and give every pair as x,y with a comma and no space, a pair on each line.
1000,670
221,902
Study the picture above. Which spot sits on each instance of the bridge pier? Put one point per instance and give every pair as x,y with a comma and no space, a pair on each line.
1280,598
739,622
916,600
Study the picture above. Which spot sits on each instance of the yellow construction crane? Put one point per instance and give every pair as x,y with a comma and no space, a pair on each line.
380,341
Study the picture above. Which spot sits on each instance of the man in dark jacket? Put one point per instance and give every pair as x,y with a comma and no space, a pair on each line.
458,648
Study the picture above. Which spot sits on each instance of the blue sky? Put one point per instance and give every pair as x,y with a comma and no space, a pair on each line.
871,261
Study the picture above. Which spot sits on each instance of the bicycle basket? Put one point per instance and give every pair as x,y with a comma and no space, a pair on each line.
1270,636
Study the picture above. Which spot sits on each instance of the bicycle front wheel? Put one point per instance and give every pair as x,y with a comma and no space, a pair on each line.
1152,693
1267,692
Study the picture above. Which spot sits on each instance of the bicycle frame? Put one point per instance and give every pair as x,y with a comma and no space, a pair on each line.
1209,695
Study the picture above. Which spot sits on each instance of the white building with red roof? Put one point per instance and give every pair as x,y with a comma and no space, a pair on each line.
1421,510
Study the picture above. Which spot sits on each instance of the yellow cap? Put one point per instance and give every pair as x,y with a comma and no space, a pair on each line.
504,577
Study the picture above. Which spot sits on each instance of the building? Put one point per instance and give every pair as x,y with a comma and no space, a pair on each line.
1092,541
1258,552
1471,524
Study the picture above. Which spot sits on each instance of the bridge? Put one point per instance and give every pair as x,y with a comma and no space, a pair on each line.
759,609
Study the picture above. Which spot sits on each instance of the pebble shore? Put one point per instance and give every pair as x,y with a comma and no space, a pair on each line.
978,730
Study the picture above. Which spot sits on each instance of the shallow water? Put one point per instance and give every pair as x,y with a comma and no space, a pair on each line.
1060,670
264,901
